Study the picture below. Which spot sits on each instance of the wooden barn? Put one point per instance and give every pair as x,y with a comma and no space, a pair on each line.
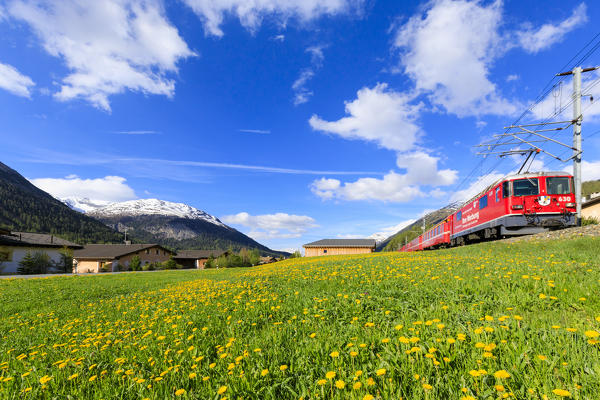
331,247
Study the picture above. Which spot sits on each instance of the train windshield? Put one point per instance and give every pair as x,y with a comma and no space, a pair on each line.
526,187
558,185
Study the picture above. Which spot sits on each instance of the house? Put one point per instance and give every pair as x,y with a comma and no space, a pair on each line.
329,247
591,208
99,257
196,258
267,260
14,246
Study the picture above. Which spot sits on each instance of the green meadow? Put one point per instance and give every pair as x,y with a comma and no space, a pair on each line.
486,321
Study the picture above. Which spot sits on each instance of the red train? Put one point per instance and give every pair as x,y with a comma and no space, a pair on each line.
514,205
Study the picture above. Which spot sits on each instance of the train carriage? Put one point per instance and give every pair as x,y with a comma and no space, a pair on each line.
519,204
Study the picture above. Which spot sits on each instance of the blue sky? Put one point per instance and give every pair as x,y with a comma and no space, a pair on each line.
289,120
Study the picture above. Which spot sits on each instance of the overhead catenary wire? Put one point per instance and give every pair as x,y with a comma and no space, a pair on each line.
591,46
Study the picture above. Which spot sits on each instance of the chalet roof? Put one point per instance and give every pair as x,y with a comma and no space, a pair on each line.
198,254
112,251
29,239
342,243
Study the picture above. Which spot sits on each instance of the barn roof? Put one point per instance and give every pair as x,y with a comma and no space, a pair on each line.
34,240
111,251
342,243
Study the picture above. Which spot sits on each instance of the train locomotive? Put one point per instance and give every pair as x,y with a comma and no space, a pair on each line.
519,204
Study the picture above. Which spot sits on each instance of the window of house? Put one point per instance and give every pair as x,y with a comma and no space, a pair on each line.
324,251
498,194
526,187
147,251
157,252
558,185
506,189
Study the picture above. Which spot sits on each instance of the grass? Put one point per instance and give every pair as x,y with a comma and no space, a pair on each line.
485,321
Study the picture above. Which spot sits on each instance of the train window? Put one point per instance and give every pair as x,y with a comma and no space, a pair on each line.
459,215
558,185
483,202
526,187
506,189
498,194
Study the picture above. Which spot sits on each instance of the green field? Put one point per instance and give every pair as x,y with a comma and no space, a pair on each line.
485,321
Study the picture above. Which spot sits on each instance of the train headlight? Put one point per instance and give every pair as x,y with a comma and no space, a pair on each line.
570,205
517,207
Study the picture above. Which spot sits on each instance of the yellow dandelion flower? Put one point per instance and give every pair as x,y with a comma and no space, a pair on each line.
427,386
501,374
357,385
334,354
283,367
562,392
92,378
321,382
330,375
264,372
192,375
592,334
381,372
340,384
222,390
368,397
179,392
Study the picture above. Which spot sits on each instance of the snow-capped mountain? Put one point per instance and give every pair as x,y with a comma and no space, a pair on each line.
134,208
83,204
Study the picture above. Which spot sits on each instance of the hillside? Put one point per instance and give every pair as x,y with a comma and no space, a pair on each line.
590,187
394,242
176,225
24,207
474,322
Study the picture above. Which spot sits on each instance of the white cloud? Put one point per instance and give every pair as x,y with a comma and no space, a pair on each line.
378,115
590,170
109,188
448,52
421,169
512,77
534,40
391,230
13,81
269,226
137,133
556,105
279,38
252,12
301,93
449,48
259,131
475,187
108,46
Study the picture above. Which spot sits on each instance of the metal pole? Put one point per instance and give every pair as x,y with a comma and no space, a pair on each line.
577,139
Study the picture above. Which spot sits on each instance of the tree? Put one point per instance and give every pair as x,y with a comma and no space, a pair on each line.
135,263
66,260
38,263
296,254
254,257
210,263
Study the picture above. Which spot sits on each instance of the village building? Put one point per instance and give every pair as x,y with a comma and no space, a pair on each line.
591,208
196,258
14,246
330,247
95,258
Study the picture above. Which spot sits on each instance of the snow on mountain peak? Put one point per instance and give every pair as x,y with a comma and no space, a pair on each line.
154,207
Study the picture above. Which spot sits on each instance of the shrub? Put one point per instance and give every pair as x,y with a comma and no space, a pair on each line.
135,263
170,264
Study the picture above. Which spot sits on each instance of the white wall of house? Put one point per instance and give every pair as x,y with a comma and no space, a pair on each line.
16,254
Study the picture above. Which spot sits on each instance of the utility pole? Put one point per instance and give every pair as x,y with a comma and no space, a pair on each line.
577,120
577,117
